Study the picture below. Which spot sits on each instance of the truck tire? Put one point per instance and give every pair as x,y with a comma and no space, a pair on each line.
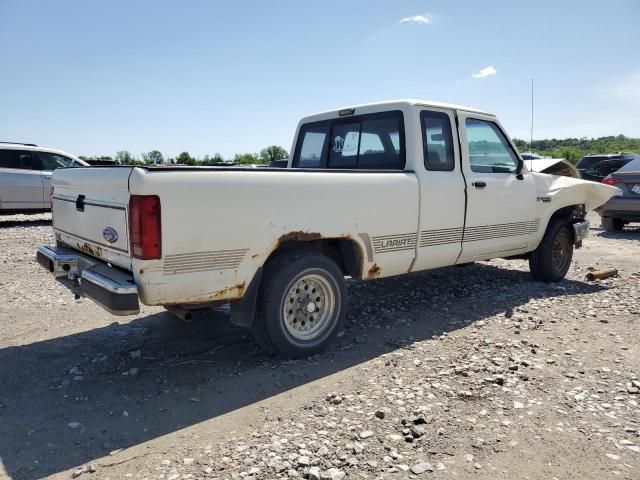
550,262
611,224
301,305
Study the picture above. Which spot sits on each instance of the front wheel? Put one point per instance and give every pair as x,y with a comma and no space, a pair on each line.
301,305
550,262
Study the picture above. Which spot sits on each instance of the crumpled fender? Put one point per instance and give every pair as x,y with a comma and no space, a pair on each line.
555,192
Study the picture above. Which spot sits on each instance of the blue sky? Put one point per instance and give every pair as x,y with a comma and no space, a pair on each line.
210,76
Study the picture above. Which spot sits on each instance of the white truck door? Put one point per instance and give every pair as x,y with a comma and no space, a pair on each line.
20,181
442,195
501,203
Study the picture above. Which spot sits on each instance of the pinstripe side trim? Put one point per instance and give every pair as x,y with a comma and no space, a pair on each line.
488,232
394,243
442,236
203,261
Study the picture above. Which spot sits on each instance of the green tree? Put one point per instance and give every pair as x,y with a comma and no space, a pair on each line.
124,157
273,153
153,157
568,153
574,149
216,158
521,145
246,158
185,159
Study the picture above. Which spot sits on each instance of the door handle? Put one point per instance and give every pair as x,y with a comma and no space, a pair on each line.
479,184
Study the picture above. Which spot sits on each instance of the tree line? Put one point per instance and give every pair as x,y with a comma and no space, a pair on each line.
573,149
265,156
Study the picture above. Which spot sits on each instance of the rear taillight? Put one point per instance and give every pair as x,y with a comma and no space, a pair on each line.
144,227
609,180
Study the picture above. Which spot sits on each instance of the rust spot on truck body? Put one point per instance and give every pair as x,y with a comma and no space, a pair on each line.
234,292
300,236
374,271
89,249
229,293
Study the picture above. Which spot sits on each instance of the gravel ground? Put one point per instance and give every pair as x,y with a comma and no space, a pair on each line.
464,372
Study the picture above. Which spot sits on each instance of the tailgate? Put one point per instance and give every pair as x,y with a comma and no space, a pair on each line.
90,211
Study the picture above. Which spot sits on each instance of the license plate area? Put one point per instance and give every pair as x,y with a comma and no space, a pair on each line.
636,188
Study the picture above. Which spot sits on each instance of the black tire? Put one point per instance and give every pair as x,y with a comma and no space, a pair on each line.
550,262
611,224
286,279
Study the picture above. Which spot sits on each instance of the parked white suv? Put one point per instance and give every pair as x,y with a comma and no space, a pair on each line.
25,175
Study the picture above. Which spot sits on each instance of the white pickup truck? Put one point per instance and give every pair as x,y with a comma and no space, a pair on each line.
370,191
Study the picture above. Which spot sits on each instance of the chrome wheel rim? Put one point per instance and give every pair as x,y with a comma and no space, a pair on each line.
309,306
561,252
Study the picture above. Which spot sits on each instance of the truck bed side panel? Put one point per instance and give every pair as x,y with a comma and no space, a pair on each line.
219,227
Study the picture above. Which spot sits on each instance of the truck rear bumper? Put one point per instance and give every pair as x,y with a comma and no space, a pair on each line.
111,288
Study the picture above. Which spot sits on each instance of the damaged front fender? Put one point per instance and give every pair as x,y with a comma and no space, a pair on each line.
555,192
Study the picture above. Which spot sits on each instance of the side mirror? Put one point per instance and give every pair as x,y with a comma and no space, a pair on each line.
519,175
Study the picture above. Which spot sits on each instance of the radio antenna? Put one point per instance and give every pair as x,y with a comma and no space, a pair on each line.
531,136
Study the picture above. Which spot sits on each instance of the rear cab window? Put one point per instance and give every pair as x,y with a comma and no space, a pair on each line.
363,142
312,146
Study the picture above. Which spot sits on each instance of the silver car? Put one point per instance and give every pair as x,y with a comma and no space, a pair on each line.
625,208
25,176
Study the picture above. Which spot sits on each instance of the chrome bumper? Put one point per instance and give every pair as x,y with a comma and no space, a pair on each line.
580,232
112,289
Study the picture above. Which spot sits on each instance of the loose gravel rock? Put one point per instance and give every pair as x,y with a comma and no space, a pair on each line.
464,372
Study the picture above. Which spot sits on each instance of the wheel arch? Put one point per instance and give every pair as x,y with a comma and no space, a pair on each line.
570,213
344,250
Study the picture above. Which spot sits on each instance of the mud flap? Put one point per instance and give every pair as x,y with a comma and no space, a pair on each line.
243,311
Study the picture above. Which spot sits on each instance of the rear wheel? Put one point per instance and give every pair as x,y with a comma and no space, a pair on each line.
550,262
611,224
302,304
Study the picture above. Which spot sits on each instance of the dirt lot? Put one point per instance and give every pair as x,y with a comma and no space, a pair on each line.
468,372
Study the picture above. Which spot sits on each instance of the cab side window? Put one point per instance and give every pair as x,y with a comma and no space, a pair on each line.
437,141
489,150
18,159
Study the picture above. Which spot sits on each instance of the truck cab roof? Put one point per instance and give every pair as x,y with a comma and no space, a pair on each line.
402,104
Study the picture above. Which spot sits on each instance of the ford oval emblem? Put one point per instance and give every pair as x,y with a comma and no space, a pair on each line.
110,234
